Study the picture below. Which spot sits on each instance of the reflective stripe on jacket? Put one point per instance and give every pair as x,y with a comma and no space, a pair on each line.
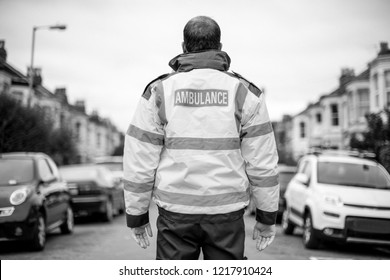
200,142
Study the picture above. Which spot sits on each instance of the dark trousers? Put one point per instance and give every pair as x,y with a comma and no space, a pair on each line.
184,236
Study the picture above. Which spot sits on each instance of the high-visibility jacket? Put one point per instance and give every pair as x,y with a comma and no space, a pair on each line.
200,142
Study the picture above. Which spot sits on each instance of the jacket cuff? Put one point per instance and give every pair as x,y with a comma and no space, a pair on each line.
134,221
267,218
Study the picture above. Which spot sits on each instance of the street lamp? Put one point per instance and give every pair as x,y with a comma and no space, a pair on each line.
31,77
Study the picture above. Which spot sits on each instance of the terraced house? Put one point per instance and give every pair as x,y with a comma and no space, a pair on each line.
94,136
337,116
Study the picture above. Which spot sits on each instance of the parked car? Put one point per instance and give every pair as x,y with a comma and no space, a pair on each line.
33,199
286,173
339,197
94,190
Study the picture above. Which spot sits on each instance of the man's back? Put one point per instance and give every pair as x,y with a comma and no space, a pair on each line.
201,169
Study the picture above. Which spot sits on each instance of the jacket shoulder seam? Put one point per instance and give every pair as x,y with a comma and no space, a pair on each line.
147,91
251,86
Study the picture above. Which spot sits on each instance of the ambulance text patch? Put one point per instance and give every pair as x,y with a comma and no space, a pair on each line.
201,98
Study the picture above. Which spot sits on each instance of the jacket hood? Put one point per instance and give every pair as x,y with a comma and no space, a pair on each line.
214,59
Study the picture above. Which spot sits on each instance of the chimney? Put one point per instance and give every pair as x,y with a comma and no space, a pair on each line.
37,75
80,105
384,48
347,75
60,93
3,52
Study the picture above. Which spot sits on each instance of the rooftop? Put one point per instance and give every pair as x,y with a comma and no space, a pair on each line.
364,76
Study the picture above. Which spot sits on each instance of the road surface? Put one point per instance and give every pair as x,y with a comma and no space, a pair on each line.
96,240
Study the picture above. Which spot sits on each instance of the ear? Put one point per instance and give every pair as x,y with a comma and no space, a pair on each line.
183,46
220,46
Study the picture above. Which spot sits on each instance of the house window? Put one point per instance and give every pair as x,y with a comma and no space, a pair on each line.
46,111
302,129
388,99
78,131
98,140
387,87
62,119
319,118
18,94
334,114
364,102
108,142
387,79
375,80
351,107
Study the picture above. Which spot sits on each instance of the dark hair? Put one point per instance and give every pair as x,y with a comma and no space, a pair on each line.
201,33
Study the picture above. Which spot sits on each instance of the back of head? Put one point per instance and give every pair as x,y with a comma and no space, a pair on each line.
201,33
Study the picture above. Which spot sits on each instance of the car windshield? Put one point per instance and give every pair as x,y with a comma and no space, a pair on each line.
112,166
16,171
349,174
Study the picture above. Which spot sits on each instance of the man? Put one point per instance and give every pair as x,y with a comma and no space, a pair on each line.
199,145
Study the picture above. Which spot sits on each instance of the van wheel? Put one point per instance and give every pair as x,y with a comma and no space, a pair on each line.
287,226
108,213
310,239
68,224
39,237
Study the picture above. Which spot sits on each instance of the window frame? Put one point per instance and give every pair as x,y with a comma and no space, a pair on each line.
48,178
334,116
302,130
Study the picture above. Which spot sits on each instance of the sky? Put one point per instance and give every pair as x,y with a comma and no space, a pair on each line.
111,49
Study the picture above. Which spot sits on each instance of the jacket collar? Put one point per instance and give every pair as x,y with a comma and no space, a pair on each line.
218,60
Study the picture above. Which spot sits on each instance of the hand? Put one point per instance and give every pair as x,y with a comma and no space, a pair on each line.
140,236
264,234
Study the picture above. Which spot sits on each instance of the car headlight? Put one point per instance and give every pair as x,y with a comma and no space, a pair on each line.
19,196
333,200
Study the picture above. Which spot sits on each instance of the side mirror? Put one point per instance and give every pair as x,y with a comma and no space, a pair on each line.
302,178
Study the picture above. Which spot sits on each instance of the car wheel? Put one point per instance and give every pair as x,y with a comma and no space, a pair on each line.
39,237
123,208
287,226
108,214
310,239
68,224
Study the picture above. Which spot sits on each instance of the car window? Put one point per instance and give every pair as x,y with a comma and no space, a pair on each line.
44,170
16,171
53,168
307,170
302,166
349,174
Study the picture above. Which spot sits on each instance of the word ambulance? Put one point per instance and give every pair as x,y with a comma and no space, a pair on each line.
199,98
